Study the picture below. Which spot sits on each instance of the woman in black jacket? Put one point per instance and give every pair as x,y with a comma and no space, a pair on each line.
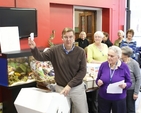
82,40
106,39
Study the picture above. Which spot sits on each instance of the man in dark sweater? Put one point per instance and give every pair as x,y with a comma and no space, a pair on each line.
69,63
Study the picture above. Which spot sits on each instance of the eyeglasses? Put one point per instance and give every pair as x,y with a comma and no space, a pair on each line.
68,37
97,37
112,56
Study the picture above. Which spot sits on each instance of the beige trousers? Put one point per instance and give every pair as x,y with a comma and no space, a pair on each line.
77,98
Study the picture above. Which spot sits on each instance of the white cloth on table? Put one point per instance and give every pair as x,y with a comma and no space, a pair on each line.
138,103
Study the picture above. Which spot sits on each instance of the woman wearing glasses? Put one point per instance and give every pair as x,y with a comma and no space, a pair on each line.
113,80
96,54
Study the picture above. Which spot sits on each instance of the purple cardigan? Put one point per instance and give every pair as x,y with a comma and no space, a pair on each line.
122,73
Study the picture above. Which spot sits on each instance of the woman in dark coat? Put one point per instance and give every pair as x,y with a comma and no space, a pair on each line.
82,41
106,39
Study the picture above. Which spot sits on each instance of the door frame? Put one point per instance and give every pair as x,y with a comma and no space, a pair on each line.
98,16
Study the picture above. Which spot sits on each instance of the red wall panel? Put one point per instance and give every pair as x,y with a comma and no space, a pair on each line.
7,3
61,16
91,3
43,21
106,20
117,17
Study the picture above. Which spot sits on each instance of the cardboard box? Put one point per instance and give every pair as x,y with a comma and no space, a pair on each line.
89,82
35,100
92,71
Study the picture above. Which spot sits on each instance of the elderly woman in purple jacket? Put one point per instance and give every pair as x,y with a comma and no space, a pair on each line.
110,72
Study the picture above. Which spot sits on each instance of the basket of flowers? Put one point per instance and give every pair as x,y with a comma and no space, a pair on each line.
43,72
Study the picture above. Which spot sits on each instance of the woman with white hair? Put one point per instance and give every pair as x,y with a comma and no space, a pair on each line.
120,38
97,51
133,91
113,73
82,40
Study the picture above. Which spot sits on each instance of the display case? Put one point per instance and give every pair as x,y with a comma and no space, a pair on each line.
15,68
14,63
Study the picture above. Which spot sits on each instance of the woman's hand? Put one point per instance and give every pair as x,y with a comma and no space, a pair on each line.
123,85
135,96
99,82
31,43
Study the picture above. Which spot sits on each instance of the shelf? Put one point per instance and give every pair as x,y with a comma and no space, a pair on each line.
22,83
20,53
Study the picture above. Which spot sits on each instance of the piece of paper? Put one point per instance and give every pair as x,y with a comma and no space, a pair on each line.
32,36
9,39
114,88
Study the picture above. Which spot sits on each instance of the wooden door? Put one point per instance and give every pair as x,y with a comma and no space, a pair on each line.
87,23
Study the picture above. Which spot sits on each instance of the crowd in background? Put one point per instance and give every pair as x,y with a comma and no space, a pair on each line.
118,65
119,61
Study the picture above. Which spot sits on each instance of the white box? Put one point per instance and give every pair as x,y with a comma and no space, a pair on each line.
35,100
89,84
89,81
92,69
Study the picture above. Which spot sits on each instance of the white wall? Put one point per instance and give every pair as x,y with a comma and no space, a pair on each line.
135,22
99,20
77,18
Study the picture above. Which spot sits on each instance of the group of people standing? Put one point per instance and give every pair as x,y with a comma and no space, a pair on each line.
69,63
118,62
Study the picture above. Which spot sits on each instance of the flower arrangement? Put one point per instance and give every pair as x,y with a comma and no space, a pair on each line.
52,36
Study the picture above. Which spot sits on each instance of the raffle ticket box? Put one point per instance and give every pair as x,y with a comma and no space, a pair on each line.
92,71
35,100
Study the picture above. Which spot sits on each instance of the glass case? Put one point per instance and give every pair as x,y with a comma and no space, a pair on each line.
19,71
15,68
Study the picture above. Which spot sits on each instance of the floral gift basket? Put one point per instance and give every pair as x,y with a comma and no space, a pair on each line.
43,72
